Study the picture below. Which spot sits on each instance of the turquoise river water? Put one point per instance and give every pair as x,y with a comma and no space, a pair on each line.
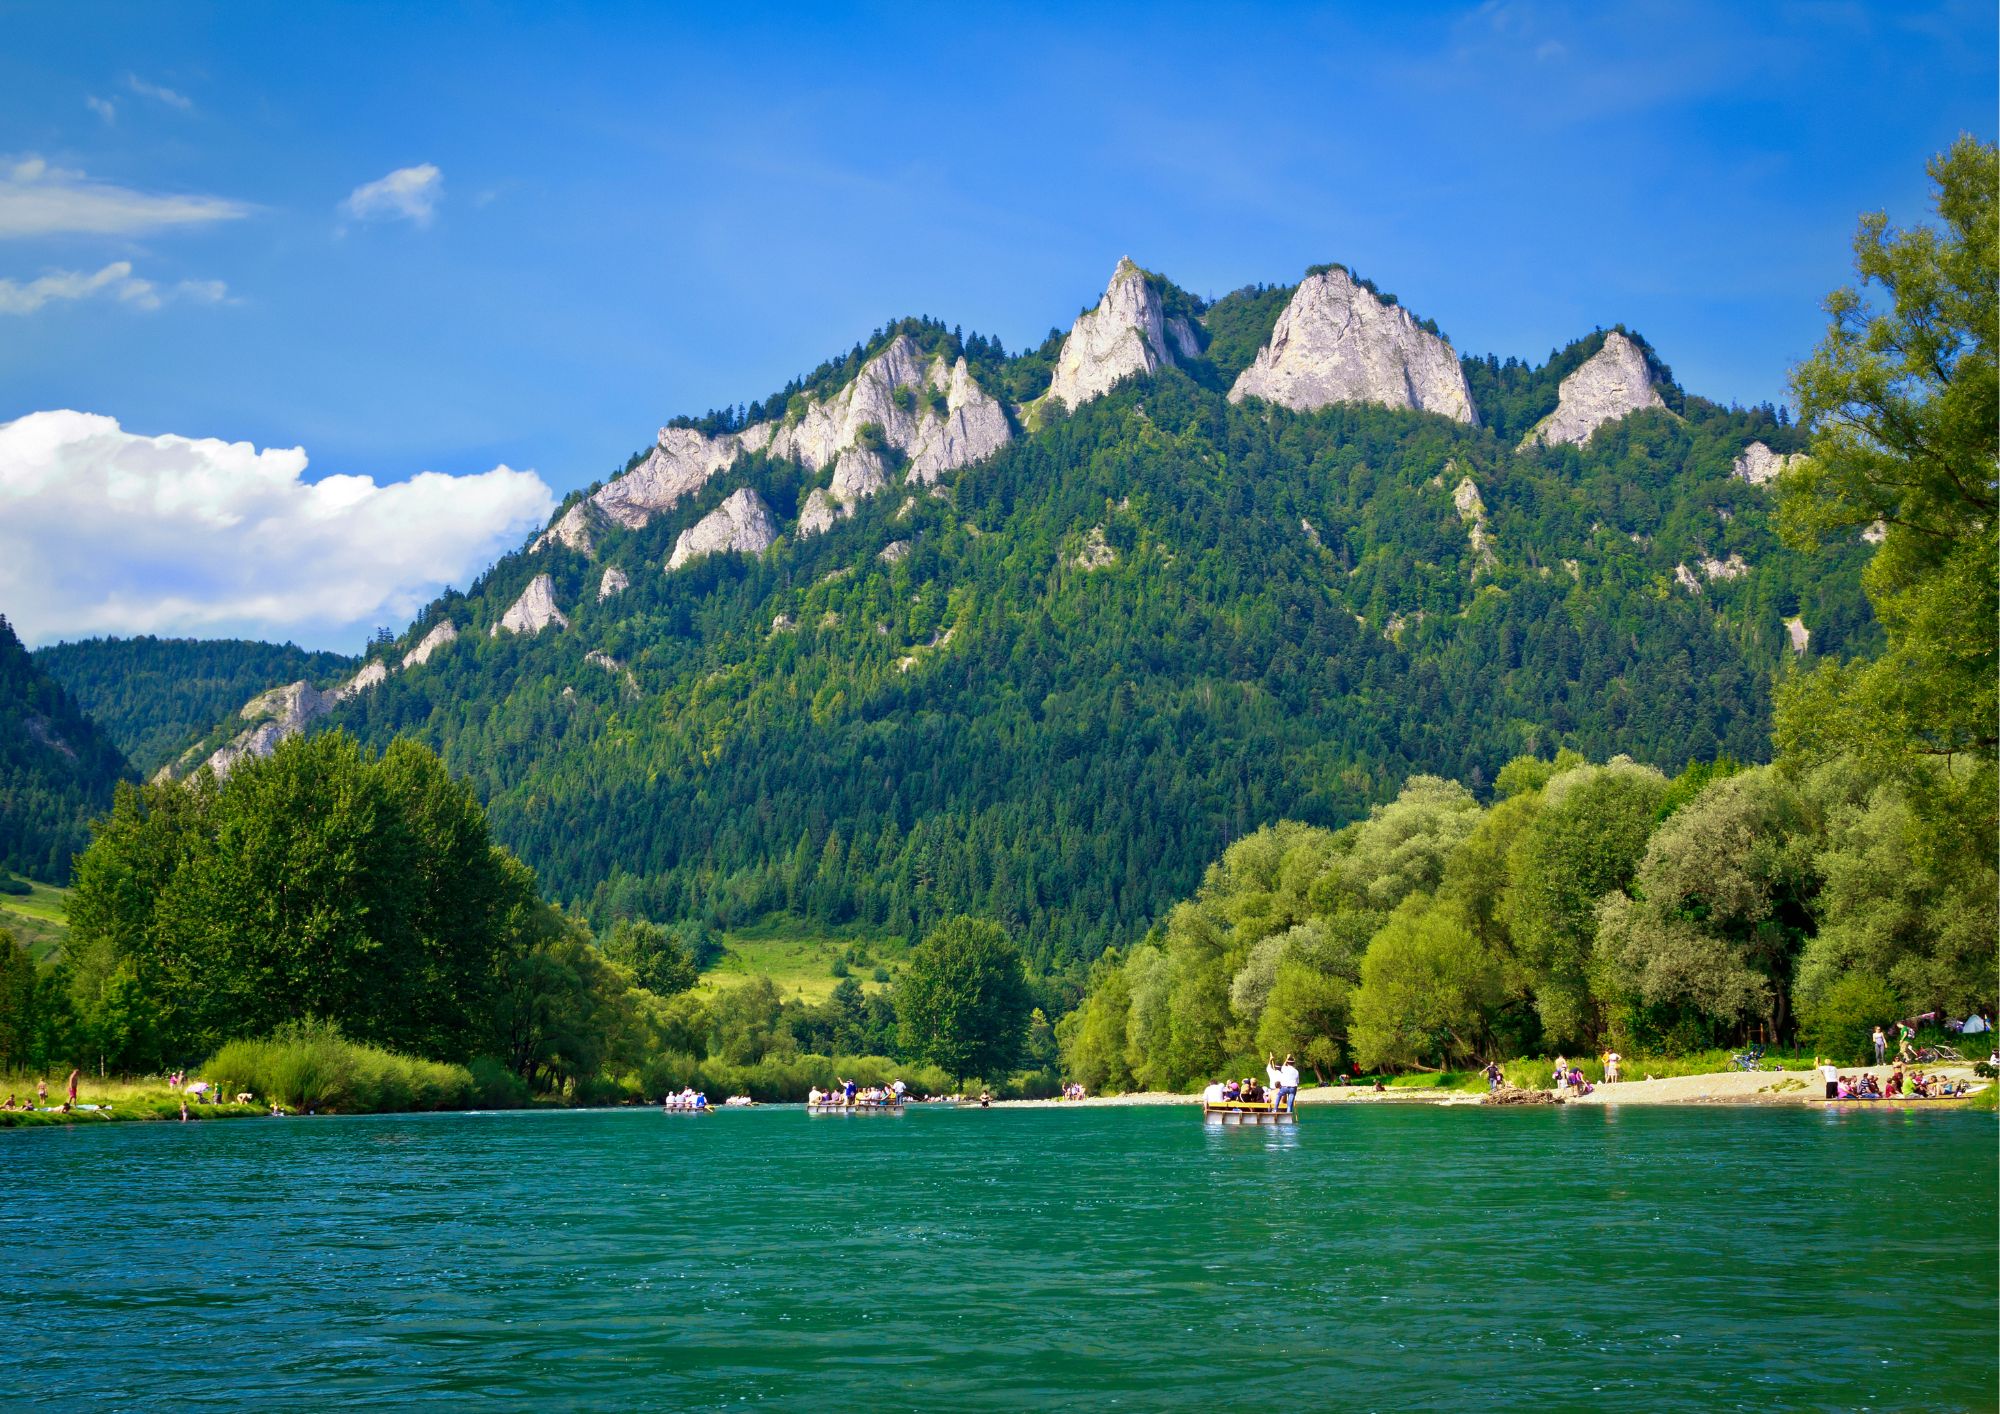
1376,1257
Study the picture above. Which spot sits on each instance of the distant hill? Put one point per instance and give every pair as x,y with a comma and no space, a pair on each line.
940,629
156,696
57,768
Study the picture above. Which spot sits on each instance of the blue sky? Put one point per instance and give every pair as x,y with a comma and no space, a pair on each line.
611,214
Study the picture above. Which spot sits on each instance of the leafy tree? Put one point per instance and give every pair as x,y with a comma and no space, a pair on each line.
1306,1016
658,959
1901,402
963,1004
19,1015
1585,840
1426,985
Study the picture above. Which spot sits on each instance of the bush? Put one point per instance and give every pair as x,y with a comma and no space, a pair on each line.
310,1065
1841,1022
11,885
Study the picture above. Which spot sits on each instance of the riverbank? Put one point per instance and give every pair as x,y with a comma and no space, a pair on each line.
1732,1087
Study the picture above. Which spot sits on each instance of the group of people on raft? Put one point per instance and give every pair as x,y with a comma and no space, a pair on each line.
1281,1091
845,1094
685,1099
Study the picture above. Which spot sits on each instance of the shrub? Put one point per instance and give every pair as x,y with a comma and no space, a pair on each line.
310,1065
1841,1021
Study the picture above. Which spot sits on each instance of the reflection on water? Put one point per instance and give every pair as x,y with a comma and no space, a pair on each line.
1369,1255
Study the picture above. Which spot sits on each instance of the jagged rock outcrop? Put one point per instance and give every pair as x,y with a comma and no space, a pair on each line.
972,428
1612,383
603,660
286,711
1095,553
369,675
534,611
858,474
892,552
1472,511
576,528
446,632
937,415
277,714
615,581
1760,466
1336,342
1799,634
1684,577
1735,567
742,524
1125,335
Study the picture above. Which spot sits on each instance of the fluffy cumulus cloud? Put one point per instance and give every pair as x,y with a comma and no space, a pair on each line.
106,532
39,200
406,194
115,281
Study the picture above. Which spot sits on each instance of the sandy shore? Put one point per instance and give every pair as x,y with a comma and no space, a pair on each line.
1731,1087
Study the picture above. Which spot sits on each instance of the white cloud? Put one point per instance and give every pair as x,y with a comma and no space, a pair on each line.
39,200
114,281
406,194
105,531
102,107
153,90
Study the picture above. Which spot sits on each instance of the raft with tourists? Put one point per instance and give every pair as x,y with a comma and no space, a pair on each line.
845,1098
1248,1101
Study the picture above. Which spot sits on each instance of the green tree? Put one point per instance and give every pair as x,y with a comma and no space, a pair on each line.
20,1018
1585,841
963,1004
1306,1016
1426,986
1901,401
658,958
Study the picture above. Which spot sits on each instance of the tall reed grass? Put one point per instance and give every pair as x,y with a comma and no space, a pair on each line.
309,1065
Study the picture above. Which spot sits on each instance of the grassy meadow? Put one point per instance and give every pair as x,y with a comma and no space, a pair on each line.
38,918
800,957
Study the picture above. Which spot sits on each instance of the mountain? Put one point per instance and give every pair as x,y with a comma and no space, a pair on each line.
57,768
938,629
155,696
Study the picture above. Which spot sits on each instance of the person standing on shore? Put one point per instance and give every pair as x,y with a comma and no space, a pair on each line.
41,1093
1881,1046
1493,1074
1830,1073
72,1085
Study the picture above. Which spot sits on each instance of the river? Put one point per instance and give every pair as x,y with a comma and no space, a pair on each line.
1381,1256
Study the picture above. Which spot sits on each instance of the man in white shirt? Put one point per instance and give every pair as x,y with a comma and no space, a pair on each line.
1284,1081
1830,1073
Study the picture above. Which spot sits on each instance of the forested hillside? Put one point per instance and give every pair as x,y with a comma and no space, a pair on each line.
1051,688
155,696
57,768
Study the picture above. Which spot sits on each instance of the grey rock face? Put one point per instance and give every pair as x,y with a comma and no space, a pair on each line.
1760,466
534,611
1472,510
1336,342
740,525
972,428
614,582
1126,335
858,474
280,713
444,633
1613,383
576,529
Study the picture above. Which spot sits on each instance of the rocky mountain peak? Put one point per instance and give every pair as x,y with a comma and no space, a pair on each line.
1336,342
1612,383
742,524
534,611
1127,334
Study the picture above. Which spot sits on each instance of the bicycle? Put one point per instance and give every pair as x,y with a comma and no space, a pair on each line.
1932,1055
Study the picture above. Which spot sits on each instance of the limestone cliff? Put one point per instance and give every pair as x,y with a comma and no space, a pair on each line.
1612,383
1336,342
286,711
1759,465
1127,334
615,581
444,633
1472,511
858,474
742,524
972,427
534,611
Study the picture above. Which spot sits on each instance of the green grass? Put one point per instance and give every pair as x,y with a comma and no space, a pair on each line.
799,957
129,1099
39,919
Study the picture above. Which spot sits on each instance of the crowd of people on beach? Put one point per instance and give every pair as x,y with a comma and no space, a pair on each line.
1913,1085
1073,1091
